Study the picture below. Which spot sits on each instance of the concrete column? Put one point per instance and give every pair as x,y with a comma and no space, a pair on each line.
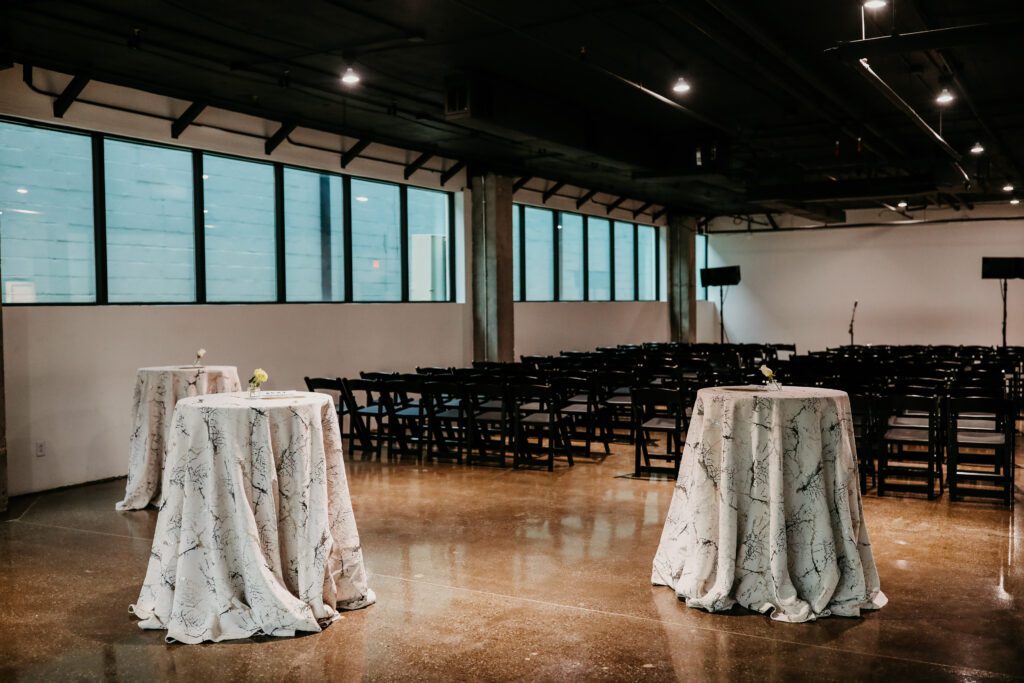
682,278
493,314
3,421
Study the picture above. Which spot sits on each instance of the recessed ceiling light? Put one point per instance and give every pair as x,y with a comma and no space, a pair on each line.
22,190
350,77
944,97
1008,187
977,149
875,4
362,198
902,204
682,86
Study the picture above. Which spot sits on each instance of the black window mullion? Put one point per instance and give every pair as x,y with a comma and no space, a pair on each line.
522,252
99,217
586,258
282,286
199,224
611,260
636,263
403,232
326,257
556,249
657,262
346,214
452,282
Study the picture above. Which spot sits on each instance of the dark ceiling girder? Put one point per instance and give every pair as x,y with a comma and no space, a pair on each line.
640,209
659,213
518,185
815,212
935,39
187,118
277,138
70,93
615,204
349,155
771,220
551,191
869,74
451,172
587,196
866,189
417,163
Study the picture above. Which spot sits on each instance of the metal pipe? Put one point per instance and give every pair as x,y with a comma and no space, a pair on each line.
861,226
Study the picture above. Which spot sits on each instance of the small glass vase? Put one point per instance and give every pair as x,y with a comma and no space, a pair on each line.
773,385
254,391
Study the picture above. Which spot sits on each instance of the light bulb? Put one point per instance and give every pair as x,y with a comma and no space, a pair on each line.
350,77
681,86
944,97
875,4
977,149
902,204
1015,201
1008,187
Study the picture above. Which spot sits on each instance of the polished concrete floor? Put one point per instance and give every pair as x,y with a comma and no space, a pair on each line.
488,574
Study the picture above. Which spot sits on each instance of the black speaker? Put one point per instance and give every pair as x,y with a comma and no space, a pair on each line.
1001,268
720,277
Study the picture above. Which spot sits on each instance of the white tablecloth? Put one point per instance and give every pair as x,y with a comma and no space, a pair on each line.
256,532
767,508
157,389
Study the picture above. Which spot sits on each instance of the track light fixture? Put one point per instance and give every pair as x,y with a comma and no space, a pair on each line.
977,149
682,86
350,77
945,97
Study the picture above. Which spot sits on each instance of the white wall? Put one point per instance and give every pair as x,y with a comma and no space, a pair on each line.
547,328
71,370
916,284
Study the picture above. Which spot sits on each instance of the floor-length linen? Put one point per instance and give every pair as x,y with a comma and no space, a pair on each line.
767,509
256,532
157,390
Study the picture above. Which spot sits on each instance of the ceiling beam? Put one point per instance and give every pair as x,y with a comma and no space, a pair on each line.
659,213
815,212
451,172
354,151
68,96
417,163
550,192
614,205
935,39
187,118
585,198
277,138
640,209
897,187
518,185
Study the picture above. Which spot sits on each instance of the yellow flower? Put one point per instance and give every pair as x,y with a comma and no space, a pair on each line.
767,372
259,376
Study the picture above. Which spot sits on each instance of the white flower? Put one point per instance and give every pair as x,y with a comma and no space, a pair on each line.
767,372
200,353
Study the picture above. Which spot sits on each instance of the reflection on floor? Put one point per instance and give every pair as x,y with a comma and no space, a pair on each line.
490,574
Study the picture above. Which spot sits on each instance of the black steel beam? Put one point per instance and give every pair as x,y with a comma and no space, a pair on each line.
860,189
518,185
640,209
550,192
659,213
451,172
354,151
68,96
935,39
277,138
186,118
585,198
771,220
614,205
417,163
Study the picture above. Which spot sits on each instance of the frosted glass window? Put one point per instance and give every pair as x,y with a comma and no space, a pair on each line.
624,285
570,256
241,262
150,223
376,242
314,237
47,249
599,257
540,255
646,260
428,245
516,255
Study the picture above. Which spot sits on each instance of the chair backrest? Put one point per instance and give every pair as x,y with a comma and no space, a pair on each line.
335,387
651,402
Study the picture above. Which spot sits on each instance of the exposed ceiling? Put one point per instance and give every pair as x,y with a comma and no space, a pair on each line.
581,91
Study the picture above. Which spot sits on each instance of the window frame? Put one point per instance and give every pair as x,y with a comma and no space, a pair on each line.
198,204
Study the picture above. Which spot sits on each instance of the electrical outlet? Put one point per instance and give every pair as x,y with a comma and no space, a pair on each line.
40,449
